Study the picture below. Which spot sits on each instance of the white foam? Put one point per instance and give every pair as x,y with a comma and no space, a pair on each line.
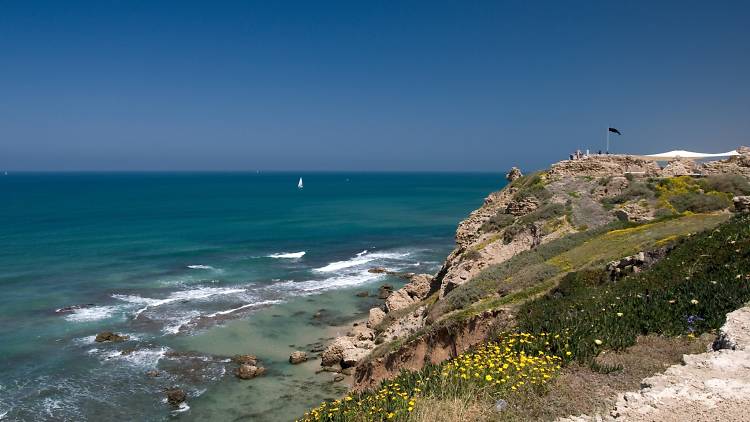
199,293
312,286
94,313
287,255
182,407
249,305
359,259
200,267
147,358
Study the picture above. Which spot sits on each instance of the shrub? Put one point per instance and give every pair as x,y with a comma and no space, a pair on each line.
471,255
700,202
731,183
633,191
498,222
511,232
544,213
604,181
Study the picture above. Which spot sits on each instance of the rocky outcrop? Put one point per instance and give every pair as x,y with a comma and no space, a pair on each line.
245,359
333,354
376,316
635,211
635,263
110,336
384,291
681,168
707,387
604,166
513,174
297,357
400,299
741,203
735,165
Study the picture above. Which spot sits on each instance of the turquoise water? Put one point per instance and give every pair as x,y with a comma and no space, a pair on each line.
196,268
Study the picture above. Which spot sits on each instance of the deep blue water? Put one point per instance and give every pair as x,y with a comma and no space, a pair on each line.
166,258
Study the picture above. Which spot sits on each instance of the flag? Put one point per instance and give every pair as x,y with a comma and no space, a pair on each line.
613,130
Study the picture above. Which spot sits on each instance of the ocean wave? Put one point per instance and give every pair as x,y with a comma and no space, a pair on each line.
93,313
313,286
199,293
287,255
361,258
249,305
201,267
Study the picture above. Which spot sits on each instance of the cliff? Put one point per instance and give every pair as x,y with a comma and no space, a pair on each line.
523,240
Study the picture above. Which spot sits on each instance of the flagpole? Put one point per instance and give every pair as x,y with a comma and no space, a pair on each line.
607,138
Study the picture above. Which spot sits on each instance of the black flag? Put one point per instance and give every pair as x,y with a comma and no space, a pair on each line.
613,130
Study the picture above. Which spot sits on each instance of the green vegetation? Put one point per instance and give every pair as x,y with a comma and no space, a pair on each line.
730,183
498,222
687,293
633,191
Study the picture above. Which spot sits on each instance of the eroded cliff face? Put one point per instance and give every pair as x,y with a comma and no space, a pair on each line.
572,196
439,346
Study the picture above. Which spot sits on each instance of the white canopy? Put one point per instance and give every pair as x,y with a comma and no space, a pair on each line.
672,155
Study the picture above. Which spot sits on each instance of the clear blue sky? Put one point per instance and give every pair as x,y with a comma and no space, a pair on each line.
354,85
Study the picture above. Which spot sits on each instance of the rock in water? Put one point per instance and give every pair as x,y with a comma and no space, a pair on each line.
109,336
377,270
363,294
384,291
153,373
247,372
175,396
297,357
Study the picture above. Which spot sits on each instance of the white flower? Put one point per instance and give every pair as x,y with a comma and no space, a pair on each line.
598,342
694,301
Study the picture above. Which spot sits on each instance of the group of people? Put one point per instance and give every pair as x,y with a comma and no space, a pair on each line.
578,154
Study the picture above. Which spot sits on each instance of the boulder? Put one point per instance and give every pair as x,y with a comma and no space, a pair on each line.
350,357
245,359
377,270
384,291
376,317
175,396
400,299
419,286
247,372
513,174
362,333
335,351
741,204
297,357
109,336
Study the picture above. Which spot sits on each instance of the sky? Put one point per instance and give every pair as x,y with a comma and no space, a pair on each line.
355,85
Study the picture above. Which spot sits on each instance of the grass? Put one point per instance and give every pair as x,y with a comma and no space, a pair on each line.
575,251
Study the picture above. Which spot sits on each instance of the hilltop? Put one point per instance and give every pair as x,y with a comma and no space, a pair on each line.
580,242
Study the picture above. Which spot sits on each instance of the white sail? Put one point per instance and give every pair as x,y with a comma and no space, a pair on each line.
299,184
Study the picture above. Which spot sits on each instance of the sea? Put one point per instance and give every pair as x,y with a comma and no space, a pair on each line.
195,268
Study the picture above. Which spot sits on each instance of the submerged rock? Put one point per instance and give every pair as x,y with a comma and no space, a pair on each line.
153,373
377,270
109,336
384,291
72,308
175,396
297,357
363,294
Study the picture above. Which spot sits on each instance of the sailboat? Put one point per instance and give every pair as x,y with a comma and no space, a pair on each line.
299,184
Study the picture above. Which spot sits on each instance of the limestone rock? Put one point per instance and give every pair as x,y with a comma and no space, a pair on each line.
741,203
681,168
376,317
335,351
247,372
419,286
521,206
297,357
351,356
400,299
362,333
513,174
